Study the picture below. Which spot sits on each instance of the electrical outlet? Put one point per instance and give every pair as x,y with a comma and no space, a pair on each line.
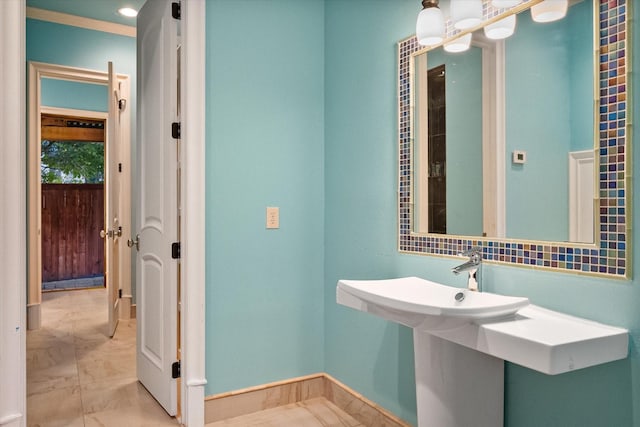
519,157
273,217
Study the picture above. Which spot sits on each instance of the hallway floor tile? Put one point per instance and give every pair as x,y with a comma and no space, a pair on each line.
79,377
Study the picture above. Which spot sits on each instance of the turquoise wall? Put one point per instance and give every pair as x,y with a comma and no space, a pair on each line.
371,355
74,95
376,357
265,136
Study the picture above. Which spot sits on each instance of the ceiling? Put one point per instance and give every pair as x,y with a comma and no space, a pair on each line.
104,10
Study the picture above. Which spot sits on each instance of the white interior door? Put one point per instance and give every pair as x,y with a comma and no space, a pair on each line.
112,229
157,271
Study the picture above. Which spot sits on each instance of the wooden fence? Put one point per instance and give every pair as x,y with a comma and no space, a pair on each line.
72,217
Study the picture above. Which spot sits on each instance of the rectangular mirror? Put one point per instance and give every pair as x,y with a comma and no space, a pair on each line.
519,145
546,75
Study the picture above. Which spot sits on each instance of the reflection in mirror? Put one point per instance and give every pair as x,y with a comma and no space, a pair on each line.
448,181
535,157
520,165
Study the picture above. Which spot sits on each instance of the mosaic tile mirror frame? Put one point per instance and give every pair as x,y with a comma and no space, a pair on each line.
610,254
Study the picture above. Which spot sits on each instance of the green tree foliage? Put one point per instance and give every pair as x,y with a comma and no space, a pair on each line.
72,162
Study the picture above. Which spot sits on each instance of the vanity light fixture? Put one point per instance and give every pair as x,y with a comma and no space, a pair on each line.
460,44
501,29
504,4
466,14
128,12
549,10
430,27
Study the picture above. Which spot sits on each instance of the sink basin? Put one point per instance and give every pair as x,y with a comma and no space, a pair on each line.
462,338
423,304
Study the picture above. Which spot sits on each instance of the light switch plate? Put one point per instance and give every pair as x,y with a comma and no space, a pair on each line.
273,217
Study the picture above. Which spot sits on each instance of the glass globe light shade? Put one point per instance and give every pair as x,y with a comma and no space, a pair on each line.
549,10
430,26
501,29
458,45
504,4
466,13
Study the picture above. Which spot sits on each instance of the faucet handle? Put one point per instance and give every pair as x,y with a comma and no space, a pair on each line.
474,250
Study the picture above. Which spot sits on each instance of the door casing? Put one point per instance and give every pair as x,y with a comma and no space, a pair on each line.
192,218
13,223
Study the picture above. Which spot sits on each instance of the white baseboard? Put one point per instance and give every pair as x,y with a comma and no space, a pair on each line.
34,316
125,308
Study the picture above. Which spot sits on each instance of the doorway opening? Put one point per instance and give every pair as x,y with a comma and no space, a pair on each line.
72,183
19,290
70,343
79,128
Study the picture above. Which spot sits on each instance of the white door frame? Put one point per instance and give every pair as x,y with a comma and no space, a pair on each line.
13,225
192,222
38,71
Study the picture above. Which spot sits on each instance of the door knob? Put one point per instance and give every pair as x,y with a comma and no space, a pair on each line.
108,233
136,243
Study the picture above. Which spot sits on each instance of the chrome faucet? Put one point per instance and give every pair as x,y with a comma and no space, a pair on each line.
472,267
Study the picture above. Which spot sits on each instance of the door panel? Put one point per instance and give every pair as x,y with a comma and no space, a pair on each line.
112,199
152,272
157,272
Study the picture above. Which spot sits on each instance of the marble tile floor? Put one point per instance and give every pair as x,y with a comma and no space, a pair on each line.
77,375
318,412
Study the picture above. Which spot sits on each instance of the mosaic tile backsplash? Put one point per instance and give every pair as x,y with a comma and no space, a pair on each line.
610,254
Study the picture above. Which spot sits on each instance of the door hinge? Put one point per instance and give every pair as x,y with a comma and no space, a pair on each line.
175,130
175,250
175,369
119,167
122,104
119,293
175,10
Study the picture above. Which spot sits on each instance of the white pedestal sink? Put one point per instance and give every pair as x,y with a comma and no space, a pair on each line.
462,338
